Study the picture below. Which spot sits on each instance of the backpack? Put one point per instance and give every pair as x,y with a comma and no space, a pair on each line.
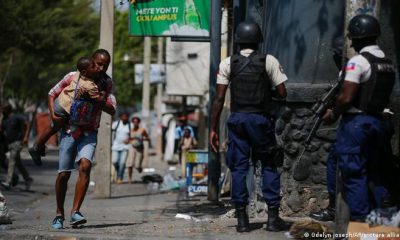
114,130
81,109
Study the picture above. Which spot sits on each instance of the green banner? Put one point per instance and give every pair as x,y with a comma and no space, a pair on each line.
186,18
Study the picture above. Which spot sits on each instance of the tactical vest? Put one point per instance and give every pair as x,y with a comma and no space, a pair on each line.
250,84
374,94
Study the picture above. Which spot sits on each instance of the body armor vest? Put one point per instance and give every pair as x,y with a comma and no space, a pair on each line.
374,94
250,84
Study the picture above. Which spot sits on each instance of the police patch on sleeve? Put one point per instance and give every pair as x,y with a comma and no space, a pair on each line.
351,66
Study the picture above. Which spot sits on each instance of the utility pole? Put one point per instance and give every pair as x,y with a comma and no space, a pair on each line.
146,94
102,176
146,78
160,46
214,164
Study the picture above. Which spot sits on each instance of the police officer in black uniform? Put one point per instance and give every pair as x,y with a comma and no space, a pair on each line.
368,83
254,79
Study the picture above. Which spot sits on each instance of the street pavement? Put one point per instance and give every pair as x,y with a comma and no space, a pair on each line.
135,211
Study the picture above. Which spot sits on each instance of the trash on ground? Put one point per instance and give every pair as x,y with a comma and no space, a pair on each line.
188,217
155,178
172,168
183,216
230,214
153,187
170,183
288,235
384,216
148,170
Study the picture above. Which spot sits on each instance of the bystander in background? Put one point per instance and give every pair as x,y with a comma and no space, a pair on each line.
179,130
120,146
14,130
187,142
138,135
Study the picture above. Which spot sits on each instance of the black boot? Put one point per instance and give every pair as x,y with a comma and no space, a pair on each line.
327,214
243,219
324,215
275,223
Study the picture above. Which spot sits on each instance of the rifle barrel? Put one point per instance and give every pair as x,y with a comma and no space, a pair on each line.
314,129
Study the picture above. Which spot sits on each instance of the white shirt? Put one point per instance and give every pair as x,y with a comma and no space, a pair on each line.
120,134
272,66
358,69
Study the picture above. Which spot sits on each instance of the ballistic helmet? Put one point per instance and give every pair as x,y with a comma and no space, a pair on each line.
248,32
362,26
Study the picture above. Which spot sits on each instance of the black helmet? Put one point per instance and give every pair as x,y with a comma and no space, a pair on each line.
362,26
248,32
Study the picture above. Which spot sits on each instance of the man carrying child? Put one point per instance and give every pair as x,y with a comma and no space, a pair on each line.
77,147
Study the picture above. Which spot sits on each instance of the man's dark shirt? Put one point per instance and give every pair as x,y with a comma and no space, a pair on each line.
13,128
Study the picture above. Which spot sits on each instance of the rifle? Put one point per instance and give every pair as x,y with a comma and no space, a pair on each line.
320,107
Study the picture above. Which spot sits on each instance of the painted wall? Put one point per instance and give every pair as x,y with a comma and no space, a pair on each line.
300,34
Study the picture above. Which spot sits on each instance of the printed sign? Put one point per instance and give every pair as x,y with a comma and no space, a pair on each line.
157,73
197,189
185,18
197,156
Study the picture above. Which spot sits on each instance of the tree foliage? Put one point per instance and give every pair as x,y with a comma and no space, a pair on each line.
40,42
127,93
42,39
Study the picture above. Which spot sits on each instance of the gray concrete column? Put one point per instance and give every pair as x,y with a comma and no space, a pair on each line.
102,170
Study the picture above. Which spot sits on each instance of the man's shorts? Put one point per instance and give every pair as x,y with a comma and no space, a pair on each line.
59,111
73,150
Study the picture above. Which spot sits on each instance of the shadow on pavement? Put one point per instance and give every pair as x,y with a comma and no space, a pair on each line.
20,191
200,209
137,195
110,225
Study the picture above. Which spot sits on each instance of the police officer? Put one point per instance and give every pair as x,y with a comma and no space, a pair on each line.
328,213
254,79
368,83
